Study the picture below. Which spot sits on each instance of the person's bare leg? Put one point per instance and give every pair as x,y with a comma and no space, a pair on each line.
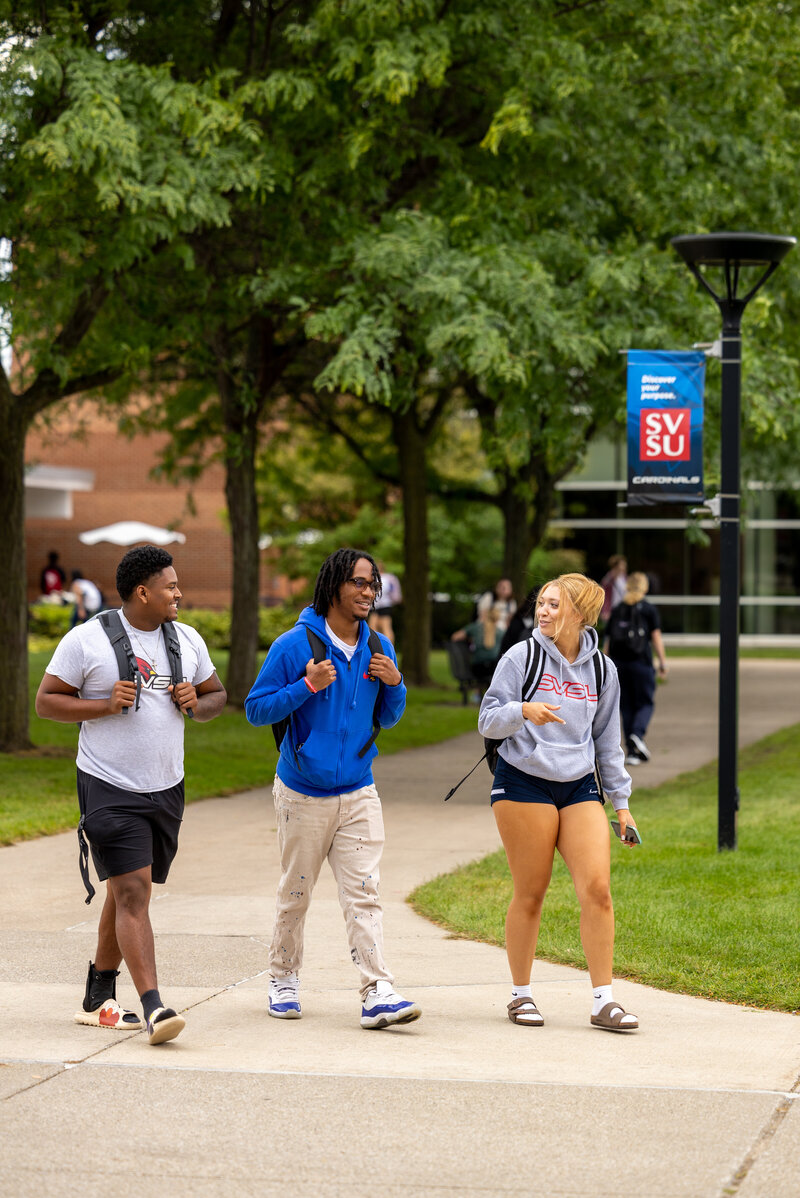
584,844
529,832
134,933
109,954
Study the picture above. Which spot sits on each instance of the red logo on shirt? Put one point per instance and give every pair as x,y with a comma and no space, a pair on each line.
569,689
151,680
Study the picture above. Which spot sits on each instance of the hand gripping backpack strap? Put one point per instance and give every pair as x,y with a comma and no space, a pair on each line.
375,646
111,623
173,644
319,651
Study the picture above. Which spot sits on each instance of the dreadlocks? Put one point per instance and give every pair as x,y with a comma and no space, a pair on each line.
336,570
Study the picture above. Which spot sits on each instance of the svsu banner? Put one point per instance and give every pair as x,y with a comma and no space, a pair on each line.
665,426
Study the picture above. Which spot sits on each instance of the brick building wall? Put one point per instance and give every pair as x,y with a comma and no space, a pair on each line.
124,490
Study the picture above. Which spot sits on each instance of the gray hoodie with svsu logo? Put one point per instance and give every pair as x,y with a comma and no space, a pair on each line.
564,752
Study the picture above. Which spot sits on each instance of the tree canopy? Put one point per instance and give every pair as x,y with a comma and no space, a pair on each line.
420,205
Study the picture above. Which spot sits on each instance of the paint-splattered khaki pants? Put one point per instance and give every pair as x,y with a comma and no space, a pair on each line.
348,830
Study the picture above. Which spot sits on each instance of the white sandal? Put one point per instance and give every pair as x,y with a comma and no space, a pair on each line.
110,1014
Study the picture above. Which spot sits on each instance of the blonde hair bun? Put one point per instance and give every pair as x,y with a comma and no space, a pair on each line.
583,594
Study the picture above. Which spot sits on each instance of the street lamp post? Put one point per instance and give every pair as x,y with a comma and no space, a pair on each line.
731,252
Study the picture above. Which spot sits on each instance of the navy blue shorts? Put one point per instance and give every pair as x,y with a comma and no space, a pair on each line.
129,831
519,787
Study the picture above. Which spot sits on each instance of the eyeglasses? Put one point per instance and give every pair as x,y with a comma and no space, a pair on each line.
361,584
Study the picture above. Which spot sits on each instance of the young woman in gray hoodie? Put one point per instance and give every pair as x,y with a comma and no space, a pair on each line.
545,795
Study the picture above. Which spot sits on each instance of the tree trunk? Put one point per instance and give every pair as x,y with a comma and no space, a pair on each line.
515,506
543,505
14,723
410,442
240,493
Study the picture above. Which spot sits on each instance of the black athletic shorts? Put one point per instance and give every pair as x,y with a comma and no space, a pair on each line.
514,784
128,830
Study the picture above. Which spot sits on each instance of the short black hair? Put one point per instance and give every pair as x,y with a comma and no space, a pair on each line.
138,565
335,570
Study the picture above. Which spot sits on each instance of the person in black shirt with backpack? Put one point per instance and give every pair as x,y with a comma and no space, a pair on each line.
633,631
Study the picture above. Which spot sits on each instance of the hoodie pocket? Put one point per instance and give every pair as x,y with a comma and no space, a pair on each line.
318,759
560,760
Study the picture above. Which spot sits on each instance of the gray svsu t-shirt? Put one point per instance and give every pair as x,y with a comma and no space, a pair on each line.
139,750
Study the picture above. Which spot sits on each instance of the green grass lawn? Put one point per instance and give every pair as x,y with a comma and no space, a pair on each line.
689,919
222,757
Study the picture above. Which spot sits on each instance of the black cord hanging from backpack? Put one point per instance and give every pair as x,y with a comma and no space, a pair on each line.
450,793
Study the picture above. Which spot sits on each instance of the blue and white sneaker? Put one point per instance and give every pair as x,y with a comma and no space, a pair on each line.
383,1007
284,997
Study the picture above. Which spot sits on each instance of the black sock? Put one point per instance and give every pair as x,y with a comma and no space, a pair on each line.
151,1000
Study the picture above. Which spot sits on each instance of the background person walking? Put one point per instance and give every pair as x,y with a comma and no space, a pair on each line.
633,631
613,583
390,598
545,795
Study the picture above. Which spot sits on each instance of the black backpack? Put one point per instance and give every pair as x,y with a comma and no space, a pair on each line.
319,651
534,668
629,633
113,627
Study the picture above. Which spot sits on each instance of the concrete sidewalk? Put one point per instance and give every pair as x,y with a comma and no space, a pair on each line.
702,1101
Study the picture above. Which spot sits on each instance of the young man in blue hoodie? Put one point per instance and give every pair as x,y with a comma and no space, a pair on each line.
326,802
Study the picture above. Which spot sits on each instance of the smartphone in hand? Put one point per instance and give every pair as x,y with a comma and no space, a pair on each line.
631,834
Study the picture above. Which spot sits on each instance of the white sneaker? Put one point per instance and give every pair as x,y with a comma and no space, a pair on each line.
284,997
633,759
640,747
383,1006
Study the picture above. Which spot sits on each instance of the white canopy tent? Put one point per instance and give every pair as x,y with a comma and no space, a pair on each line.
132,532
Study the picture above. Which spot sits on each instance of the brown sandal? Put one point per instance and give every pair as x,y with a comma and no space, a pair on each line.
530,1017
613,1023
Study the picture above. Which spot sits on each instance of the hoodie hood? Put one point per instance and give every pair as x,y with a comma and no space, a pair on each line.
588,645
310,618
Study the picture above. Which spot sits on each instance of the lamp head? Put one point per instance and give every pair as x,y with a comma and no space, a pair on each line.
732,252
745,249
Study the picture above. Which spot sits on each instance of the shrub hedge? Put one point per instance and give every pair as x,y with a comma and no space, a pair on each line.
50,622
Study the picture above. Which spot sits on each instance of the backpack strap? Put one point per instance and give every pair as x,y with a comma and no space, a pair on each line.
173,644
319,651
83,853
533,669
111,624
599,663
375,646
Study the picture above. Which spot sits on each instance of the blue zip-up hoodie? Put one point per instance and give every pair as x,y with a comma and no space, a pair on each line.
319,753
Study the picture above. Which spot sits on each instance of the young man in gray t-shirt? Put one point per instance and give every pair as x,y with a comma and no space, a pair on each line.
130,772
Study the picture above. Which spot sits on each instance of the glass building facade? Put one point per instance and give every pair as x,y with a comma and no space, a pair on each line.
684,574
